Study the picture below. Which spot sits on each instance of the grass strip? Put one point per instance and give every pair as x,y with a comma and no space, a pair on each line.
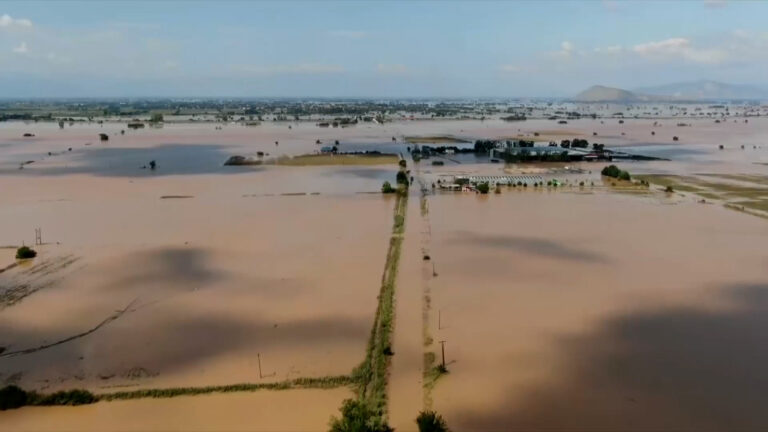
297,383
372,374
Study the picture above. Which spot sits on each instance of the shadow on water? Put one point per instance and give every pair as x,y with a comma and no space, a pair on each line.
528,245
172,159
176,336
672,369
365,173
189,268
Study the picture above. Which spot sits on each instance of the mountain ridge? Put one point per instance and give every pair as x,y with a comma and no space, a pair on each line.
702,90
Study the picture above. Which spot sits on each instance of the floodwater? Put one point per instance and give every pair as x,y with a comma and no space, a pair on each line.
211,283
615,311
565,311
267,411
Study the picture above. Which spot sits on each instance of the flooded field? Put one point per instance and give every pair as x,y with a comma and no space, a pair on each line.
603,303
268,411
616,312
209,283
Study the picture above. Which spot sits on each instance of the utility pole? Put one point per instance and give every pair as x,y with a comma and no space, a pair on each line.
38,236
439,319
258,357
442,347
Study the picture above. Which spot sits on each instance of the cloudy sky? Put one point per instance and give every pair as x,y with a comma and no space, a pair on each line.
374,48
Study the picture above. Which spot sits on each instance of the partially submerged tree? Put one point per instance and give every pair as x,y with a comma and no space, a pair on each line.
430,421
387,188
25,252
615,172
12,397
359,416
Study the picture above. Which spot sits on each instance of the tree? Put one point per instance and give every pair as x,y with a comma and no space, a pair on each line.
623,175
156,118
430,421
387,188
12,397
402,163
611,171
483,188
25,252
358,416
103,137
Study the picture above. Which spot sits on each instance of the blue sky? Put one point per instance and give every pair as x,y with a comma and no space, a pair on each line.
374,48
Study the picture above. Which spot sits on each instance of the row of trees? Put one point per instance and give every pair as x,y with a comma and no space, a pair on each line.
615,172
401,178
356,416
12,397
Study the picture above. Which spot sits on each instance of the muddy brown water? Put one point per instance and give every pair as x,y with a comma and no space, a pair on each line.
616,311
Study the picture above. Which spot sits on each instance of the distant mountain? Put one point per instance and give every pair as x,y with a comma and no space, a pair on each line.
679,92
705,90
600,93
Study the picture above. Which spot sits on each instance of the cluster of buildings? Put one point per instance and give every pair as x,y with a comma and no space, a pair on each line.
468,183
520,148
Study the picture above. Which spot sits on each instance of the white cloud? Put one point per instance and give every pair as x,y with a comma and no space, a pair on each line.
8,21
21,49
566,51
680,49
392,69
298,69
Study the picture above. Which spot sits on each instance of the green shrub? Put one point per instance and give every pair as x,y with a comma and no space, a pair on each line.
25,252
387,188
358,416
615,172
483,188
399,220
430,421
12,397
402,163
68,397
623,175
611,171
